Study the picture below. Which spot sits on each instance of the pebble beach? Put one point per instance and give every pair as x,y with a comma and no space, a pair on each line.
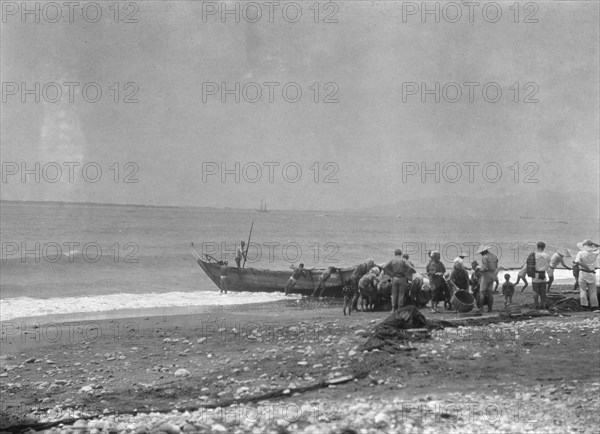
297,366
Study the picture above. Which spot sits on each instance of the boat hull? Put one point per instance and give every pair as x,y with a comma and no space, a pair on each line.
259,280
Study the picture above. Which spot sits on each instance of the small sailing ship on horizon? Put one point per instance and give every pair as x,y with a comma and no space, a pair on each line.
263,206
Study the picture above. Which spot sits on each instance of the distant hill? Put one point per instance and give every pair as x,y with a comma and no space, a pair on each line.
545,205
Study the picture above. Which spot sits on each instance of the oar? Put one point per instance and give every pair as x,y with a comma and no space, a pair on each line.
248,245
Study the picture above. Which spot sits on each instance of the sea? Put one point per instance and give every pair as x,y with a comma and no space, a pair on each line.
64,258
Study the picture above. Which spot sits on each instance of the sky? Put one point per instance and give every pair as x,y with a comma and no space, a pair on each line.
368,144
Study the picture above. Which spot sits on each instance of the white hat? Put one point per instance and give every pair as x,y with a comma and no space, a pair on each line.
483,248
587,245
375,271
458,260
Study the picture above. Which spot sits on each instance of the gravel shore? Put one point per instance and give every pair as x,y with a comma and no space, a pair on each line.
158,374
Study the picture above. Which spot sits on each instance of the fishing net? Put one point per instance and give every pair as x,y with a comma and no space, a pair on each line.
406,324
566,305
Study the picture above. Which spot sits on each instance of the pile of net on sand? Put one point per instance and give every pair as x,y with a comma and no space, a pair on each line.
566,305
408,324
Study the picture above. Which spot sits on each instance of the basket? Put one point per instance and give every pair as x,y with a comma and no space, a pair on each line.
462,301
513,310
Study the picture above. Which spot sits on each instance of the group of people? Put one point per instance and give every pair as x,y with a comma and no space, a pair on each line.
399,281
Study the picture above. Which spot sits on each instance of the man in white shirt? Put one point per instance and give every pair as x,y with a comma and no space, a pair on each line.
542,263
586,260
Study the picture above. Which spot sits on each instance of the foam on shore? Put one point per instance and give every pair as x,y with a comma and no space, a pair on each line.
23,307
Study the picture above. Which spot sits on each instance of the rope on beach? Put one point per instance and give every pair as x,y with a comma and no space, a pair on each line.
279,393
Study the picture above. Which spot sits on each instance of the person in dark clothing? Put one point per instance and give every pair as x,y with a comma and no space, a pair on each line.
348,292
359,272
459,278
475,278
508,290
439,288
240,254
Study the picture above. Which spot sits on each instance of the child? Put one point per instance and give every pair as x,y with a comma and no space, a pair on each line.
298,272
508,289
348,292
522,276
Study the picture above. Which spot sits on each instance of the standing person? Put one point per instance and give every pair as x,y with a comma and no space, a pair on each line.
542,262
489,266
348,293
401,272
586,261
439,288
223,269
475,282
508,290
522,276
324,278
297,274
496,281
558,258
359,272
240,254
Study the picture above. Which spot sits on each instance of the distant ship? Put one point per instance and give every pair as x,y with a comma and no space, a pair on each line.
263,206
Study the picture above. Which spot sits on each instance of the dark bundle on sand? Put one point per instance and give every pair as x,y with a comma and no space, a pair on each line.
409,324
566,305
406,324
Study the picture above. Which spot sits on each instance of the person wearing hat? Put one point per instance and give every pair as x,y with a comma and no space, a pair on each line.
459,278
558,258
538,282
586,261
240,254
459,259
489,266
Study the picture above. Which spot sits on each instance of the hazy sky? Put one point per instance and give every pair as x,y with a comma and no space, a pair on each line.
177,134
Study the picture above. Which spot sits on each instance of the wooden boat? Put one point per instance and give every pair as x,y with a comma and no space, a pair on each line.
261,280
